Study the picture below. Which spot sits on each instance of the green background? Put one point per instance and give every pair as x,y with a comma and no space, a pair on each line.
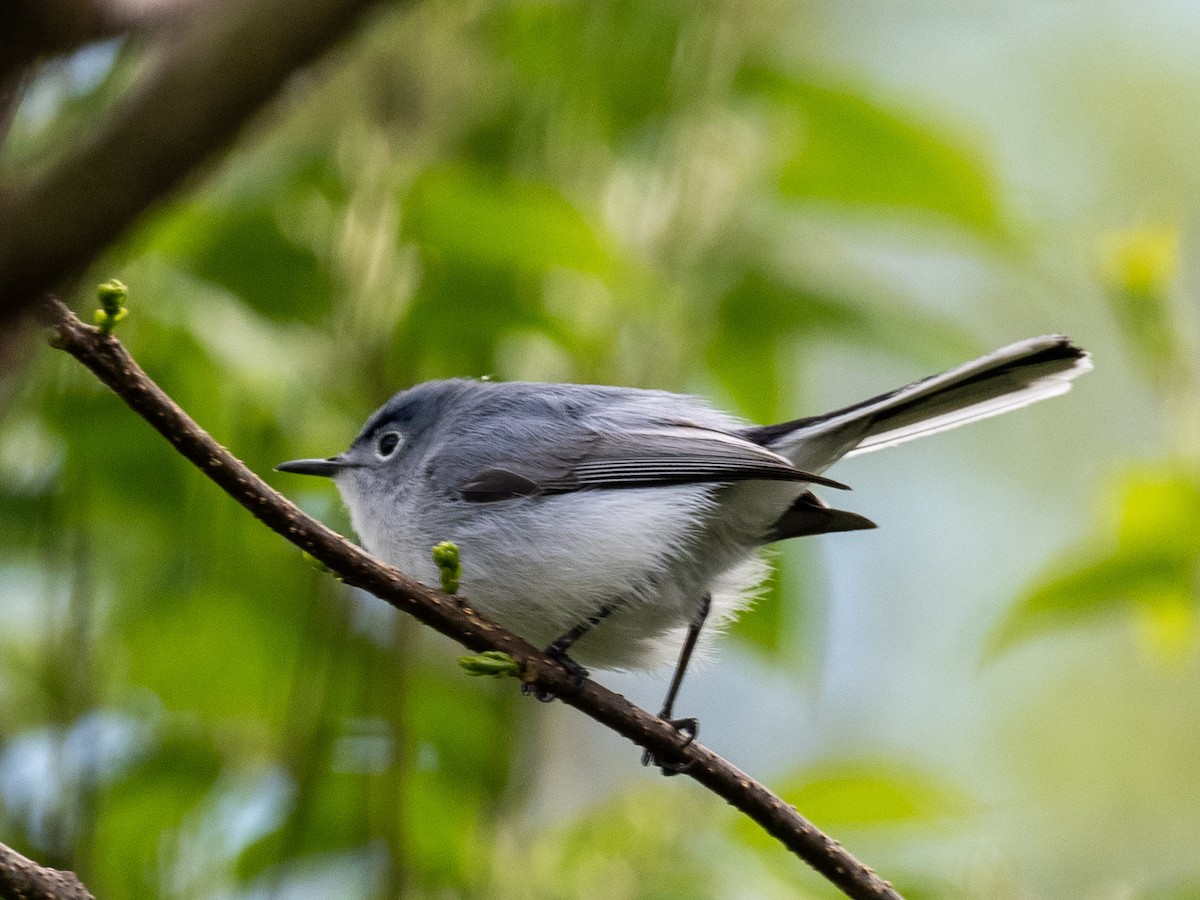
782,206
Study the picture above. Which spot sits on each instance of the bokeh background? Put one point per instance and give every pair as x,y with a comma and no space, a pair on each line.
782,206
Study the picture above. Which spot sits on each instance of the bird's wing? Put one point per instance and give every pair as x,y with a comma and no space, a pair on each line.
651,456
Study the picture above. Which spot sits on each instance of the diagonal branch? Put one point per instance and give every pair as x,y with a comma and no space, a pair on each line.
204,83
22,878
452,615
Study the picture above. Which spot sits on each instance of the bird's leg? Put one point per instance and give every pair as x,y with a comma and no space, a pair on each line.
558,651
690,726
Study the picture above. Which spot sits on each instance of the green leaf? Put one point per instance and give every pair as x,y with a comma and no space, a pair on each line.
492,220
253,238
762,316
842,795
839,146
244,251
1188,889
491,664
1093,590
1138,267
614,67
1150,569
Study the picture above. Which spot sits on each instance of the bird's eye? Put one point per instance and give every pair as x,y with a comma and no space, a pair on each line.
388,442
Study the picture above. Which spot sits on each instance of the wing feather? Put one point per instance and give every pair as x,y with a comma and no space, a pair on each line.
647,457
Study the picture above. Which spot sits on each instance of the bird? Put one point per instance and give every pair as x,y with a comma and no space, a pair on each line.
620,528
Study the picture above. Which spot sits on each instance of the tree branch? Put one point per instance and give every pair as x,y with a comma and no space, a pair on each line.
205,82
23,879
452,615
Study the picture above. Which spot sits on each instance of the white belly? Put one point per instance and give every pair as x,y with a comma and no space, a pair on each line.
542,565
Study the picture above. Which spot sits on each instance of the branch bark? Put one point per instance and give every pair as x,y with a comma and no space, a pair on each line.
23,879
206,81
452,615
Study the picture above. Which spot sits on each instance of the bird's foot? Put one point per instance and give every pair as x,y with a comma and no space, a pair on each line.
688,727
578,673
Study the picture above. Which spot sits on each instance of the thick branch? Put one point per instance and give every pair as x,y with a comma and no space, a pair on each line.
201,88
23,879
453,616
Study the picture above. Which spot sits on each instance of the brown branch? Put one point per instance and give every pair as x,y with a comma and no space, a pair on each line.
23,879
204,84
453,616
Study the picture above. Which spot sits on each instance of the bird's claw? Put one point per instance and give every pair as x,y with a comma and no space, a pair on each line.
689,727
578,673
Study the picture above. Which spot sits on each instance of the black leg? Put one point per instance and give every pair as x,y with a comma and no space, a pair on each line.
689,726
558,649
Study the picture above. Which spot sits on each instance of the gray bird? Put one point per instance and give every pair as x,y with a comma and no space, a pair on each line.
615,522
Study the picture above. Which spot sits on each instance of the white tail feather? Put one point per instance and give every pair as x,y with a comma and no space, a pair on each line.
1006,379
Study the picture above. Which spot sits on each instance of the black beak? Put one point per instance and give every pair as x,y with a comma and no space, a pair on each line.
326,468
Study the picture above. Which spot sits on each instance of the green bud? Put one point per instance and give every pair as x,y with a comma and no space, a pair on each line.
112,295
492,663
445,557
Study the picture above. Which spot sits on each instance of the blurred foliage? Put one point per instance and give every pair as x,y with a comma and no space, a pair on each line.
615,191
841,147
857,794
1148,568
1144,564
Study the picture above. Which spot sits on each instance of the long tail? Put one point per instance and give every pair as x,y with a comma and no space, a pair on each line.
1008,378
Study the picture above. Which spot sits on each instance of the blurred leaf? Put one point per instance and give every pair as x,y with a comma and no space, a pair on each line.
495,220
862,795
1169,627
244,251
204,653
1141,260
643,844
1138,267
1089,591
762,313
138,813
444,824
611,64
458,317
1188,889
238,241
840,146
462,721
1152,565
334,819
